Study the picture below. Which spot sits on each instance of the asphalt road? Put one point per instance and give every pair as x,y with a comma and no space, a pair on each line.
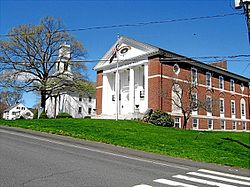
37,159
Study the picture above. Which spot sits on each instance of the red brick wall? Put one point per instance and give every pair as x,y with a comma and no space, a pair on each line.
160,92
99,81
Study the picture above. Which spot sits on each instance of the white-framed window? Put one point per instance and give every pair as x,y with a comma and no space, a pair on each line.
223,124
242,87
195,123
80,97
210,124
232,85
234,125
79,110
177,122
209,103
194,101
233,107
194,76
243,107
221,105
208,79
244,125
221,82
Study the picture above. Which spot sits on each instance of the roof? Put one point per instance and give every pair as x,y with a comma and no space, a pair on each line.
166,56
11,107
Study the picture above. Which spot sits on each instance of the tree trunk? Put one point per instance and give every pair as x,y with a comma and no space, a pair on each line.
43,99
185,122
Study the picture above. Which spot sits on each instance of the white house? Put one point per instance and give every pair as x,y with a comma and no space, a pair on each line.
17,111
75,103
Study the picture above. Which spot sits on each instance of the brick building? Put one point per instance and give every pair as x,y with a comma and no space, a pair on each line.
143,76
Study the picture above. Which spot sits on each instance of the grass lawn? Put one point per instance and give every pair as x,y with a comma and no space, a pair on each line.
194,145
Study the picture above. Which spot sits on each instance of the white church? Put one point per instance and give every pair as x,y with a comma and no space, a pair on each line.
78,105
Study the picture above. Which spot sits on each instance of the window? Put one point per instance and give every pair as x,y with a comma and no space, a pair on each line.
13,113
89,110
233,107
18,107
210,124
195,123
221,82
79,110
243,105
242,87
176,69
194,102
244,126
221,106
90,99
142,94
234,126
194,78
209,103
177,122
208,80
232,86
223,124
80,97
23,108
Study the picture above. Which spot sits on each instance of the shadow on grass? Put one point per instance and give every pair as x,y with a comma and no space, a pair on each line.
236,141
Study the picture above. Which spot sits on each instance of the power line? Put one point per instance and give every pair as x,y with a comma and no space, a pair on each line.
139,24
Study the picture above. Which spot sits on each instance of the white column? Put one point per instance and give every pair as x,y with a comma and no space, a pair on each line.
146,85
104,94
132,90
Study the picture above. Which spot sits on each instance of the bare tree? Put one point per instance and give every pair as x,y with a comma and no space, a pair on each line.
185,99
11,97
30,56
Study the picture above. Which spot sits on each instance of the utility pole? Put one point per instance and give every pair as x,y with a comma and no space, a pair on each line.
245,5
117,78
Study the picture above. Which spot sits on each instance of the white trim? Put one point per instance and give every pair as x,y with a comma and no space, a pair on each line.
232,83
202,85
224,124
210,79
197,123
212,124
98,87
221,80
128,66
196,76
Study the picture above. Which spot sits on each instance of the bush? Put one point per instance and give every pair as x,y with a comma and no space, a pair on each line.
161,118
35,114
43,115
63,115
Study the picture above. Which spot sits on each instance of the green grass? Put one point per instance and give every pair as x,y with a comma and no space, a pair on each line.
194,145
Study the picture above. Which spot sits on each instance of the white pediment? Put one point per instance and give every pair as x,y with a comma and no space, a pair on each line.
123,50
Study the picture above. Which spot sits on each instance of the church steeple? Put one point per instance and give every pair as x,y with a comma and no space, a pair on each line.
63,64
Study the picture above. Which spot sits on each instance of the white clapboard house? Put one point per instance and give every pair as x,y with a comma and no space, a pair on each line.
78,105
17,111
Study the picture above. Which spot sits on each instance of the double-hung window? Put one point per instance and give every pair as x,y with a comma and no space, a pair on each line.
209,103
222,106
232,107
221,82
208,80
194,76
232,85
210,124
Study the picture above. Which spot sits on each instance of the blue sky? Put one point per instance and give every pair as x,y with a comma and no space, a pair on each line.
225,36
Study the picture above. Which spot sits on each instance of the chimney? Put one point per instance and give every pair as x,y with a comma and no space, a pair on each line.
220,64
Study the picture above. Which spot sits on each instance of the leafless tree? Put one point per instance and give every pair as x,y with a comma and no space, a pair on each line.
185,99
11,97
30,55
